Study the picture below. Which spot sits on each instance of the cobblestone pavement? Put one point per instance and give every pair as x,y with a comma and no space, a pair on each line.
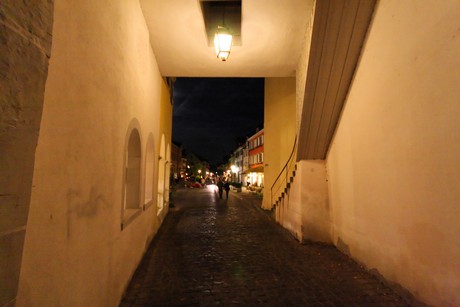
212,251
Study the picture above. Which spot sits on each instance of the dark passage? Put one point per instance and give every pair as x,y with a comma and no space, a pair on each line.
217,252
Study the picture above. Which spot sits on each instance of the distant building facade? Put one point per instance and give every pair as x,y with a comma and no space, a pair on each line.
183,168
255,152
176,161
238,156
246,165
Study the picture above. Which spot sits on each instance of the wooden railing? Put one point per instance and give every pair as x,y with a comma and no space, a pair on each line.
281,182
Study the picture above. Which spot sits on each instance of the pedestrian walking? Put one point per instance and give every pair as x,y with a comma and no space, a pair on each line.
226,187
220,187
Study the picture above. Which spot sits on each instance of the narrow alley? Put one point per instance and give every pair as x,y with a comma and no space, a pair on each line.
343,115
212,251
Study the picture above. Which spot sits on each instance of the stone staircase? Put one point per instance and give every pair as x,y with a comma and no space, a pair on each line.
282,185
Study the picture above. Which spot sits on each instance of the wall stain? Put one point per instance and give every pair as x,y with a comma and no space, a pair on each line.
83,209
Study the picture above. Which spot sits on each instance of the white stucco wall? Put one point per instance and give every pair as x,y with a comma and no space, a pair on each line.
305,209
102,75
312,178
394,171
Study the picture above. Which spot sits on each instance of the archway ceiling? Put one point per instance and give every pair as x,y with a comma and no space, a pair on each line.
272,33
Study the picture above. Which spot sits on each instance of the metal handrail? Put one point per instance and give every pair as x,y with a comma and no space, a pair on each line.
284,168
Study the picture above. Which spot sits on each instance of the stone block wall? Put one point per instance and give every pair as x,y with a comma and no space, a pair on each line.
25,46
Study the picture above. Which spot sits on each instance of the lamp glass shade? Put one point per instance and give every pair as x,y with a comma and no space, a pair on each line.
223,44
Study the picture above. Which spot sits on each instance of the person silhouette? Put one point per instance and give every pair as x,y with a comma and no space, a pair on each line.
220,185
226,187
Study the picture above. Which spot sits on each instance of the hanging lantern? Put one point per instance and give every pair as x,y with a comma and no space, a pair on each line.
222,43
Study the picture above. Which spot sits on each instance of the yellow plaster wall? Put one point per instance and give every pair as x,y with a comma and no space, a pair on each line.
165,126
165,114
394,165
102,77
304,210
279,129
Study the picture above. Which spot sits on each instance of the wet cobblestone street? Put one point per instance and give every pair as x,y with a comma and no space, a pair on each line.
212,251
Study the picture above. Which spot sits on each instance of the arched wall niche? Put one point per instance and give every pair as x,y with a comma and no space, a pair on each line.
161,175
132,173
149,172
167,173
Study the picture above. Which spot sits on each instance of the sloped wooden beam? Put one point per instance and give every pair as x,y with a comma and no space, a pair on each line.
339,32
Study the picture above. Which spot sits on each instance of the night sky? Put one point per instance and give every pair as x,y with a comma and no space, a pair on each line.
211,114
